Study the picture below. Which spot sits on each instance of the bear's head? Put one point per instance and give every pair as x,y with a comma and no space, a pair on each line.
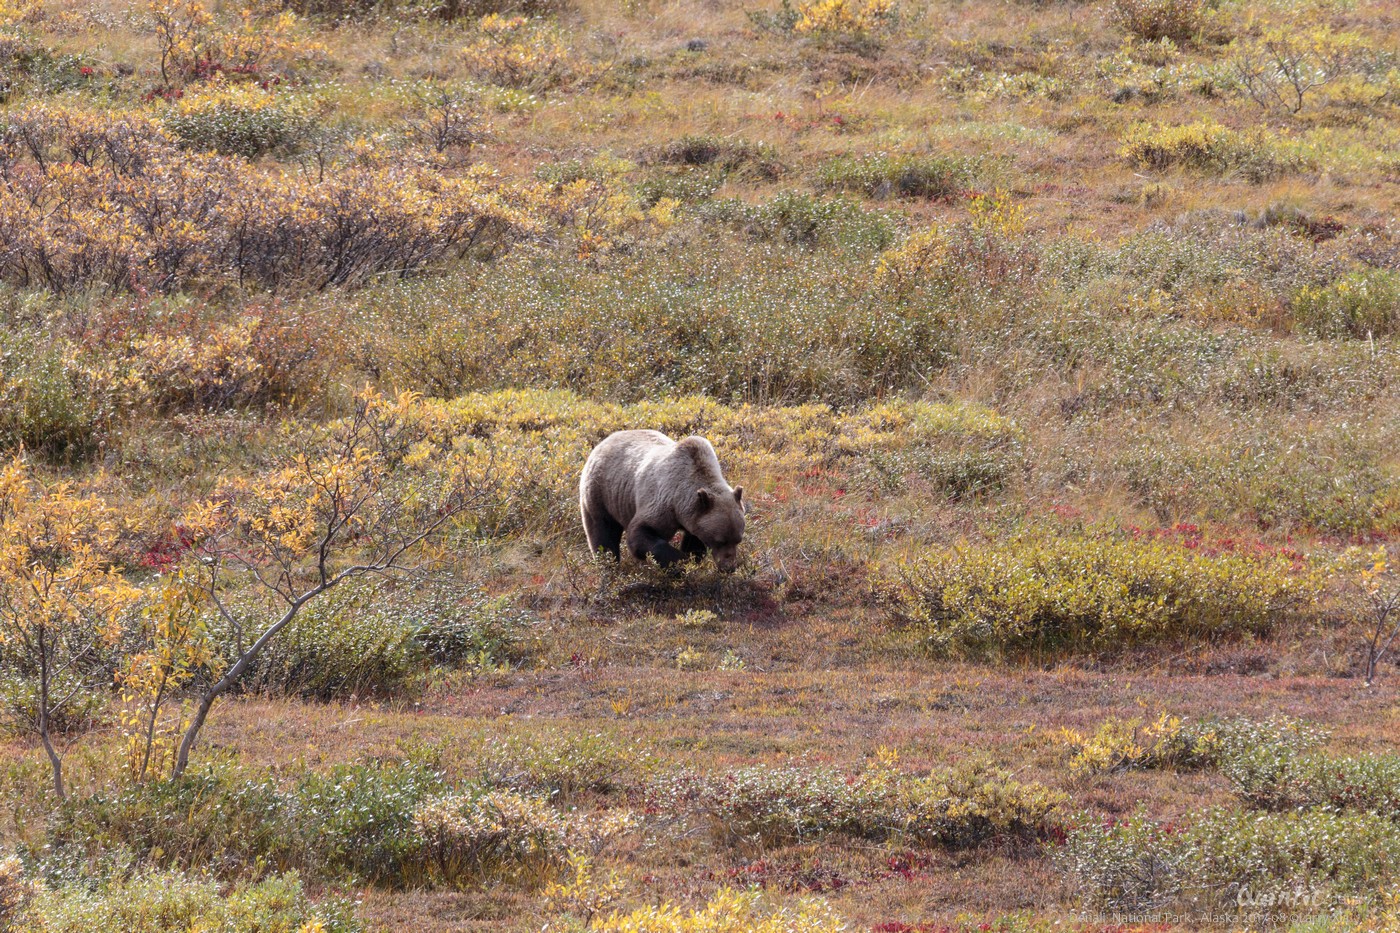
717,519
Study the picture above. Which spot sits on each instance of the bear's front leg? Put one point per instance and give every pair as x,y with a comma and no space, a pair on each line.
642,540
693,547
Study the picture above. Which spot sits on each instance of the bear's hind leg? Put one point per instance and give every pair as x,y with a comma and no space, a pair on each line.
603,534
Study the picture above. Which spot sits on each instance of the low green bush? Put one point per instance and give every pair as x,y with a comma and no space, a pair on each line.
562,764
1227,860
48,403
803,220
1364,304
485,835
726,153
173,902
222,820
240,119
357,821
367,637
457,624
1040,590
953,808
882,174
1281,779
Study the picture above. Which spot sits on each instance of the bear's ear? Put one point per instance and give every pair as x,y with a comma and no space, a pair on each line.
703,499
739,494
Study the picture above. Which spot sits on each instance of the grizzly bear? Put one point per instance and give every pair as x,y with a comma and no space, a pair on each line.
650,486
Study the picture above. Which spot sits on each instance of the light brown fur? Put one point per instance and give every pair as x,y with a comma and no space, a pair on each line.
648,486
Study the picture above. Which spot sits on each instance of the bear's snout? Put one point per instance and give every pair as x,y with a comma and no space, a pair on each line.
727,558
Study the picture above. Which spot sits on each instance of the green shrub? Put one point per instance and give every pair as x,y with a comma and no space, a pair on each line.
686,187
1226,860
172,902
369,638
485,835
241,120
810,222
880,175
562,764
1282,779
726,153
48,402
955,808
220,820
356,640
459,625
1363,304
780,805
357,821
1056,591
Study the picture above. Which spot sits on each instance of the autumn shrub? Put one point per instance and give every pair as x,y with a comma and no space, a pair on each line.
1224,859
115,203
239,119
1094,591
15,890
1173,742
962,807
989,252
844,17
523,52
261,357
1287,69
1209,147
1121,745
176,902
906,175
437,9
728,910
194,42
525,445
500,834
1178,20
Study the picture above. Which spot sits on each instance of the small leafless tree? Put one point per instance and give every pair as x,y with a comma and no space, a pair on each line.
348,507
447,119
1379,591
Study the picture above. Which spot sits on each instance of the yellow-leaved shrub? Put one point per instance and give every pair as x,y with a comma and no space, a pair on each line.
1053,590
